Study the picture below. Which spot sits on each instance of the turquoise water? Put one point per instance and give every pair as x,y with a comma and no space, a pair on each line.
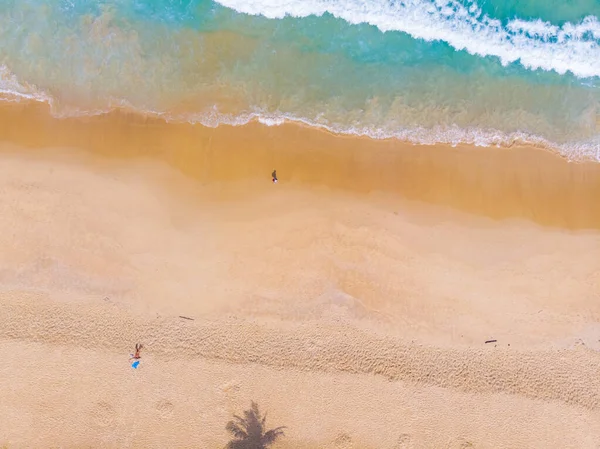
487,72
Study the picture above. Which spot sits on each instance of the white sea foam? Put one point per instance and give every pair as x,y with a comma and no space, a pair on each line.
535,44
11,89
271,120
588,150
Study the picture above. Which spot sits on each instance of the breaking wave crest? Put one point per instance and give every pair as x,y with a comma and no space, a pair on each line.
572,47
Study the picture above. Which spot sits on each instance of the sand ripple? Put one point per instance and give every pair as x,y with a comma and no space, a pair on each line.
569,375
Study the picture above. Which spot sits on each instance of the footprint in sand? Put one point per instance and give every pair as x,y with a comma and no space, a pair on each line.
231,390
405,441
461,443
165,408
103,414
343,441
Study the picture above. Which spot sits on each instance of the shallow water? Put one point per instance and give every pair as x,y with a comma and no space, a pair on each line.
490,72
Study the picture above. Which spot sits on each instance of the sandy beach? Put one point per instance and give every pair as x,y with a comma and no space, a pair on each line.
352,300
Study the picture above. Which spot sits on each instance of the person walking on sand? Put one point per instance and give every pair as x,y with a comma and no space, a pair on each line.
137,355
274,176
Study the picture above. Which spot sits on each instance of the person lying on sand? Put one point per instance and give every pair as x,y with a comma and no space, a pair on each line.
137,355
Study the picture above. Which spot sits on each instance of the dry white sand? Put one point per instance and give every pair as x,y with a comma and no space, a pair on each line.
356,321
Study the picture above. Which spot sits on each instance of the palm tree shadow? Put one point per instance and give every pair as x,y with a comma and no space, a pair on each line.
250,431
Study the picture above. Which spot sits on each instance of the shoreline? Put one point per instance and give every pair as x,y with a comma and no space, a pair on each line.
498,183
576,152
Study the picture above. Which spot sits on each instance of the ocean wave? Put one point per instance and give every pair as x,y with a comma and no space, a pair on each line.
572,47
12,89
449,135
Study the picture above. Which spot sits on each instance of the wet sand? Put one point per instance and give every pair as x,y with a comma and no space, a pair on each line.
352,300
498,183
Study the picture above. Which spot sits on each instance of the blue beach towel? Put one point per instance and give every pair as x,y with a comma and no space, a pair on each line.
135,364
